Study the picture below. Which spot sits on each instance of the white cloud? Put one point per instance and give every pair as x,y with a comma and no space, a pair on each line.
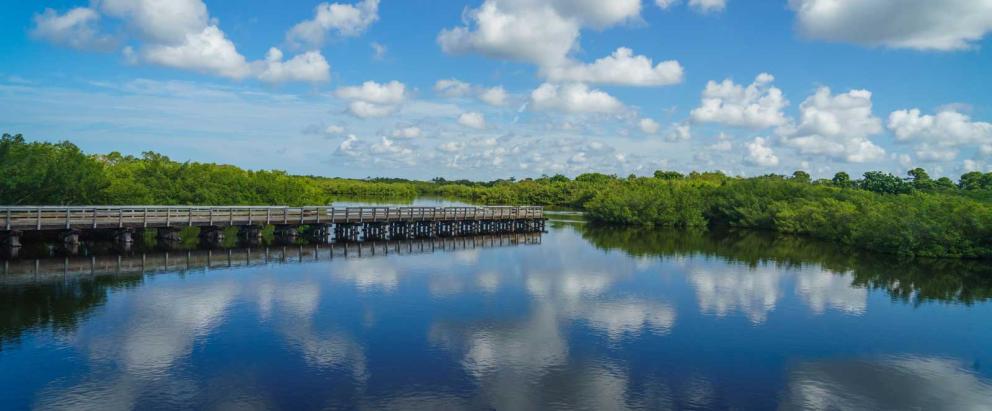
334,129
679,132
708,6
495,96
917,24
620,68
926,152
77,28
378,50
452,88
947,128
723,143
472,119
649,126
344,19
373,99
666,4
541,32
702,6
759,105
309,67
759,153
573,98
179,34
407,132
450,147
836,126
364,109
207,51
164,22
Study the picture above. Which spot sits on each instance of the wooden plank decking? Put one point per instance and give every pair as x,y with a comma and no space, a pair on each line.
38,218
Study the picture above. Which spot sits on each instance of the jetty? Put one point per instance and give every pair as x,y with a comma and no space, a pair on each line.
71,224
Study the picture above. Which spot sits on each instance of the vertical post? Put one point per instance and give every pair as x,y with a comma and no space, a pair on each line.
189,216
144,217
39,219
268,215
285,215
6,224
168,216
68,217
211,216
94,218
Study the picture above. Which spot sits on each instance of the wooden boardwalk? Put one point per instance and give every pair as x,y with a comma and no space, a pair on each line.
349,223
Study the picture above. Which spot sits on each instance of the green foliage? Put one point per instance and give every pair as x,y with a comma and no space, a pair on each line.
46,173
916,216
884,183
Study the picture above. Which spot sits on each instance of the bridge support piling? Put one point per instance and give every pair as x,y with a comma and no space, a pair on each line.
124,236
11,239
69,237
169,235
318,232
286,233
251,234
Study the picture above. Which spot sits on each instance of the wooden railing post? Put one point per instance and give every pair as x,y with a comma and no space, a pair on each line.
6,224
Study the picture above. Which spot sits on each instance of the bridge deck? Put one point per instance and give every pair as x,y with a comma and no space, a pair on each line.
55,218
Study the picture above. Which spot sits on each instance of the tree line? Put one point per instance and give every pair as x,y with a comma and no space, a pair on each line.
912,215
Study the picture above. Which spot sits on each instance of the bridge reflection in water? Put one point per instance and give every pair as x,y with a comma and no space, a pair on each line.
49,269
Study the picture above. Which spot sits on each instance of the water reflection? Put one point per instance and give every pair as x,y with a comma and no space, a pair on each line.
581,318
899,383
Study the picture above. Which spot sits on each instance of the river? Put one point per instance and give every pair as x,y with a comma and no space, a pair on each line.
577,318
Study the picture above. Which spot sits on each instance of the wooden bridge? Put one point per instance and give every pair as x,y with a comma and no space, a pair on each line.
347,223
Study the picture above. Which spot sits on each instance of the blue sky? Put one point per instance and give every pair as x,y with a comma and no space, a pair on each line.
498,88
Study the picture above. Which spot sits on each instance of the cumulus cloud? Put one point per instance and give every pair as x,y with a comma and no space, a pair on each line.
343,19
702,6
179,34
573,98
77,28
373,99
620,68
759,105
541,32
163,22
759,153
407,132
916,24
837,126
947,128
207,51
649,126
679,132
723,143
364,109
452,88
309,67
472,119
495,96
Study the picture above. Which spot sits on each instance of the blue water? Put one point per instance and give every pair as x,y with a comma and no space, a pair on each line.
585,319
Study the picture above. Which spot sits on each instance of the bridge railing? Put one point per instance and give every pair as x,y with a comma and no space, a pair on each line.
94,217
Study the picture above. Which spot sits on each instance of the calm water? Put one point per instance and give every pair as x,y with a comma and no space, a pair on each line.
576,318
